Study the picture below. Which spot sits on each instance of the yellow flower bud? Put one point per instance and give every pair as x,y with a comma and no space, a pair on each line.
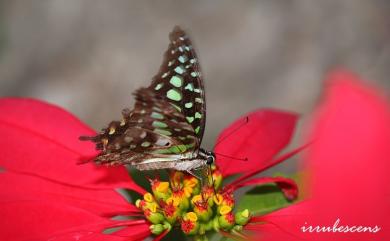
156,229
162,187
196,198
148,197
154,217
153,207
225,210
161,190
138,203
191,216
218,199
243,217
188,191
174,201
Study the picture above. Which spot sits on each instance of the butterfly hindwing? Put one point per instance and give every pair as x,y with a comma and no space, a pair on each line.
154,128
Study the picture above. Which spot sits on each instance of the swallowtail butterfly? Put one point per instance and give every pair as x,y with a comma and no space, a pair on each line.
164,130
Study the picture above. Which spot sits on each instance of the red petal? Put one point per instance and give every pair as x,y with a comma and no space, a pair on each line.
266,133
41,220
16,187
161,236
139,231
136,232
283,224
288,186
43,139
90,236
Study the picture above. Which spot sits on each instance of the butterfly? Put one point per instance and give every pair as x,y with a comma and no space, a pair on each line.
165,128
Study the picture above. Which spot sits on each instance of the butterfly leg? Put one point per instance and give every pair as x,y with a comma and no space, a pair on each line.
204,177
195,175
210,172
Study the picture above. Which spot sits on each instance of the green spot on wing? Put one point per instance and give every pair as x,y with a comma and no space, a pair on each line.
156,115
198,115
145,144
178,149
198,100
163,132
156,108
188,105
197,129
170,63
180,69
159,124
177,107
174,94
194,74
189,87
190,119
158,86
183,58
165,75
176,81
174,149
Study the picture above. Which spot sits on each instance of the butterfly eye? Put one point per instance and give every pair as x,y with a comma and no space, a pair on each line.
210,160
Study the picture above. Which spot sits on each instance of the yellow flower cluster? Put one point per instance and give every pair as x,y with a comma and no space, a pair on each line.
182,201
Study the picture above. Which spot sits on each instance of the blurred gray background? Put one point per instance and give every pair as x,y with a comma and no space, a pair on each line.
89,56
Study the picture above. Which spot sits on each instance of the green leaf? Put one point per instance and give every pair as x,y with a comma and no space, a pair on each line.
264,199
130,195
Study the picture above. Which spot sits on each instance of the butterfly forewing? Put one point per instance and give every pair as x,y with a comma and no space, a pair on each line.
179,81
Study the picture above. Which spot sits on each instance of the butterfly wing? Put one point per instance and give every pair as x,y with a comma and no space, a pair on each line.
168,119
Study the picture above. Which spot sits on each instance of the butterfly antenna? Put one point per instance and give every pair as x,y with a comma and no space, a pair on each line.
233,131
232,157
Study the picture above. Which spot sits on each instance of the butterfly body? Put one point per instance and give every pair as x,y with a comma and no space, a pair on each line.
165,128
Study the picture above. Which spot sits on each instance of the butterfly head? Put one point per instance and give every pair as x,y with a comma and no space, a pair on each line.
208,156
